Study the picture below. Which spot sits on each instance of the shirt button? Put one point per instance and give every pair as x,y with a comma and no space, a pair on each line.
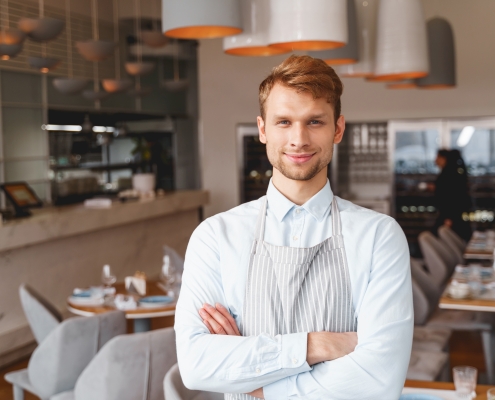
258,370
298,211
294,361
295,238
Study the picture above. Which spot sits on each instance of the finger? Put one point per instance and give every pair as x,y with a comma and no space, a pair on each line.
208,326
229,317
216,328
219,319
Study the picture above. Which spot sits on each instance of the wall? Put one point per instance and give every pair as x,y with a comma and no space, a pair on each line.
228,93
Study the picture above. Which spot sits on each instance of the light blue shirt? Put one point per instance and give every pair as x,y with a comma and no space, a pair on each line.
215,271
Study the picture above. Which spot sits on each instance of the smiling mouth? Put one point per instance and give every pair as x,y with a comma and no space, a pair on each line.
299,158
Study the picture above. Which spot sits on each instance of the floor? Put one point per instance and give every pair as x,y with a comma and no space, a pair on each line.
465,349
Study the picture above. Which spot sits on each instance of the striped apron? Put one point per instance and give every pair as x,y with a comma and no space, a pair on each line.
292,289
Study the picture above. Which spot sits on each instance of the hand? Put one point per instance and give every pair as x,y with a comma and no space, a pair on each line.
258,393
218,320
327,346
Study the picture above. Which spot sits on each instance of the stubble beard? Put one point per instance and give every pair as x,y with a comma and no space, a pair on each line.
298,173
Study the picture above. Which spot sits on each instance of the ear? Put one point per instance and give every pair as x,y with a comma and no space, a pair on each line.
339,130
261,129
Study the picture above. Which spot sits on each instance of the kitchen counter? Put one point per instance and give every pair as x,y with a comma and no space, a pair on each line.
53,223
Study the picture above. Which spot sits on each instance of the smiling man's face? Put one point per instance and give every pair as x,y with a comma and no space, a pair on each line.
299,133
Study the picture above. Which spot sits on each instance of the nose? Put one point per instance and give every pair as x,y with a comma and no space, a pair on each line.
299,136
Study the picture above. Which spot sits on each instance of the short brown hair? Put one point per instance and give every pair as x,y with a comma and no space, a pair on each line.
304,74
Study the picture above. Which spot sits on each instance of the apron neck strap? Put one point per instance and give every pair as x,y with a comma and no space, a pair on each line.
336,223
260,225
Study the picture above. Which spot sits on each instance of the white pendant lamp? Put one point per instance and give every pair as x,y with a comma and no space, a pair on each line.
253,41
348,54
401,49
201,19
95,49
116,85
155,37
366,12
69,85
441,49
308,24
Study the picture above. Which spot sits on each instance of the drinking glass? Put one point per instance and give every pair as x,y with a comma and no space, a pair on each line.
168,275
107,278
490,394
465,382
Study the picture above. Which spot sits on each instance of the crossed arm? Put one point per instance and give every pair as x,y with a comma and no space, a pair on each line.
322,346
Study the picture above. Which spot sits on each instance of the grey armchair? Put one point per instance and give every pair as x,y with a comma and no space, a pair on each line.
42,316
129,367
58,361
175,390
453,241
437,258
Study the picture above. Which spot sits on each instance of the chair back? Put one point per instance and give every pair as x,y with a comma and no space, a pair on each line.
432,291
129,367
175,390
58,361
453,241
420,304
42,316
435,257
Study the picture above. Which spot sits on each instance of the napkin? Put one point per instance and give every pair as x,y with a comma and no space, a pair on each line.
123,302
135,284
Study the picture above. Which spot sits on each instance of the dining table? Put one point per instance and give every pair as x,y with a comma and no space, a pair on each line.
443,390
141,316
481,246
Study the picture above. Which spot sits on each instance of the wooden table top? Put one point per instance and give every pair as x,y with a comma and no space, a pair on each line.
467,304
152,289
480,389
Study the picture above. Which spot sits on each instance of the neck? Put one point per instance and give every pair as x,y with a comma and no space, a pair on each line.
299,192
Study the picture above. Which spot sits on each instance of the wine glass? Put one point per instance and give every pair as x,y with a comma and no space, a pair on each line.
107,278
168,275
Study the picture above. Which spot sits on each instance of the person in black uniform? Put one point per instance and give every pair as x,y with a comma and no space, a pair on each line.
452,194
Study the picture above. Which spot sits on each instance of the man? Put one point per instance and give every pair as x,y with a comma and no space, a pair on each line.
318,287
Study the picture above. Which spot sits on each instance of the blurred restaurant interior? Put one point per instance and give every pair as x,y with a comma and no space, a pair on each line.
122,128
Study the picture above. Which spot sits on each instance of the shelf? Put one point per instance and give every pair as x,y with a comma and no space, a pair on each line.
101,167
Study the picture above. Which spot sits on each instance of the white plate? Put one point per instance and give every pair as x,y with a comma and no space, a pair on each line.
86,301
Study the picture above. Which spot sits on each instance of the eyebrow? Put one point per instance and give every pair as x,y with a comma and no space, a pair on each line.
316,116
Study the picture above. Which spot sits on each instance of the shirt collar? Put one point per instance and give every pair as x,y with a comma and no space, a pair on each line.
317,205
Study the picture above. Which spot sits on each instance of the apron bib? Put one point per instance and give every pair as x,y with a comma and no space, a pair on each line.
292,289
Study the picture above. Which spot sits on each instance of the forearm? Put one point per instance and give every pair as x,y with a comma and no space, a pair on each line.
236,364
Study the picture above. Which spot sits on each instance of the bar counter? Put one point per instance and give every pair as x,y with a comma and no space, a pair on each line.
60,248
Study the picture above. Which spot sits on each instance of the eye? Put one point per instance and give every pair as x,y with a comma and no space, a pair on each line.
315,122
283,122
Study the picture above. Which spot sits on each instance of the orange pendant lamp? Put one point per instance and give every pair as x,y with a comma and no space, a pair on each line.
201,19
253,41
401,50
308,24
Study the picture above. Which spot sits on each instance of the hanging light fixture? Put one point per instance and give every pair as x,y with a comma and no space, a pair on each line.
176,84
405,84
41,29
69,85
116,85
401,50
441,50
154,38
308,24
200,19
348,54
366,13
253,41
44,64
95,49
11,39
139,67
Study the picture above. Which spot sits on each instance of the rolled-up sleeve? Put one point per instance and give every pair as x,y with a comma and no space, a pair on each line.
377,368
219,363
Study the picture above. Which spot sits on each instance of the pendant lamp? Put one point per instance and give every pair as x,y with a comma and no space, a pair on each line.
95,49
308,24
139,67
441,50
366,13
201,19
253,41
176,84
155,37
405,84
116,85
8,51
401,49
348,54
9,37
44,64
69,85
